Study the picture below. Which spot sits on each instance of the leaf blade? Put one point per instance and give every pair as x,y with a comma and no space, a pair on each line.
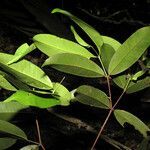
5,84
89,30
78,38
8,110
15,82
138,85
11,129
124,116
30,147
130,51
26,71
92,96
29,99
51,44
62,93
6,142
112,42
120,81
74,64
23,50
107,54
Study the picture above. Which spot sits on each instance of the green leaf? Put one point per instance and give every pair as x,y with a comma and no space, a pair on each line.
121,81
8,110
90,31
5,84
78,38
14,82
138,85
92,96
126,117
130,51
106,54
29,99
30,147
6,143
51,45
138,74
8,128
74,64
112,42
25,71
135,86
21,52
21,49
62,93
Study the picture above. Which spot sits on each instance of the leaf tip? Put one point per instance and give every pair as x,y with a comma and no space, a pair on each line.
55,10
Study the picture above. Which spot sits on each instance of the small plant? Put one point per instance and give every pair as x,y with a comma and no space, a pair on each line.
115,60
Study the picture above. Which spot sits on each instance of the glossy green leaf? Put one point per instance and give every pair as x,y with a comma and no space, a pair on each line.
106,54
17,84
51,45
5,84
30,147
29,99
21,52
130,51
25,71
8,110
6,143
62,93
112,42
139,85
121,81
134,86
78,38
74,64
92,96
126,117
21,49
89,30
138,74
8,128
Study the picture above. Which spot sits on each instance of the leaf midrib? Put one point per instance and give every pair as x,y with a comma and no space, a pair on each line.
77,67
85,51
24,74
127,54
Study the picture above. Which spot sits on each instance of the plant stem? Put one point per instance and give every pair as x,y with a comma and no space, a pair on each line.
39,135
109,114
102,66
101,129
109,91
108,81
124,90
30,141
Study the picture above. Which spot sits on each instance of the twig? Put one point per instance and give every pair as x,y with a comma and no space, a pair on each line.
108,81
101,129
109,114
39,135
109,90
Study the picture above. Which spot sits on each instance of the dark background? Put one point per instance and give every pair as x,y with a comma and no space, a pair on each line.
115,18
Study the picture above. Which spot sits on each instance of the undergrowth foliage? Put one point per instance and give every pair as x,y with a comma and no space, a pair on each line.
30,84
